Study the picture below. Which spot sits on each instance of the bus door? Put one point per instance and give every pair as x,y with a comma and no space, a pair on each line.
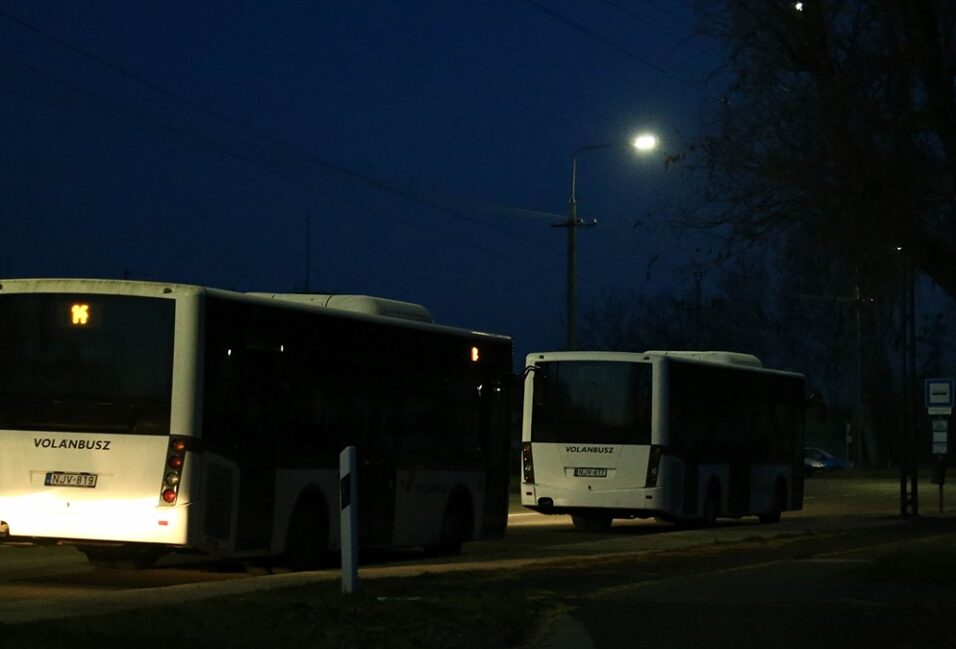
738,496
495,440
250,428
257,484
373,407
734,445
239,496
254,453
376,497
690,506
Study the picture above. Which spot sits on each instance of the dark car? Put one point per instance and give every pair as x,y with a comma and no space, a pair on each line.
816,460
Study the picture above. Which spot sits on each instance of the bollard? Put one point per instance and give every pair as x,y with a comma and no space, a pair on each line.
348,518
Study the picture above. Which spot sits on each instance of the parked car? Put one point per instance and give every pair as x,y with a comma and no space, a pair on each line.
816,460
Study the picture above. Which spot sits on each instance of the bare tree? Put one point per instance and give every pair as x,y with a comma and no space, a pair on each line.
839,122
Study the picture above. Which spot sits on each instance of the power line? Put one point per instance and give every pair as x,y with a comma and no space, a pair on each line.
326,165
661,8
621,50
244,151
643,19
154,127
685,40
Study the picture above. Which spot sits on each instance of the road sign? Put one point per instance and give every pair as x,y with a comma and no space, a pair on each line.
940,436
939,396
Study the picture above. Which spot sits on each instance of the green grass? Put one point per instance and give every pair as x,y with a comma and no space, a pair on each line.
420,613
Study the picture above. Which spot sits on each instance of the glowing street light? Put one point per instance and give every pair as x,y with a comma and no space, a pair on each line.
642,143
645,142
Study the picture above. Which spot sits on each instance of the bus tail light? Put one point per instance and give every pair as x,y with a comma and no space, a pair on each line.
175,459
654,466
527,462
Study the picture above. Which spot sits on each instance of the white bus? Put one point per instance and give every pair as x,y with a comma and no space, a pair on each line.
682,436
140,417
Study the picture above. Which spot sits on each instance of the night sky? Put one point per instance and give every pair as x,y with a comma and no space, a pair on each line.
428,144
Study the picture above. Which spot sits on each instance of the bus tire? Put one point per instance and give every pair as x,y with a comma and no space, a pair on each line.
711,506
779,503
307,539
456,526
592,522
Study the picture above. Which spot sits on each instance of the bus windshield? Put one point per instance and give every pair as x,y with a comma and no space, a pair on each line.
592,401
86,363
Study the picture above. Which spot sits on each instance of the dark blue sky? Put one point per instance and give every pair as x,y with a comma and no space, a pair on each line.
190,142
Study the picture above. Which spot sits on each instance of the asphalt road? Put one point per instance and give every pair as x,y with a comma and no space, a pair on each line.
869,586
36,575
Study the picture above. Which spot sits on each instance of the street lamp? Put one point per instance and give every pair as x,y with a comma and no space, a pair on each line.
643,143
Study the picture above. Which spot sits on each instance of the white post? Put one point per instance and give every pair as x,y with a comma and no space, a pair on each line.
348,518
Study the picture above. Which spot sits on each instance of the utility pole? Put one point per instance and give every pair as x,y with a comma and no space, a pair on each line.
909,454
857,429
698,301
572,224
308,243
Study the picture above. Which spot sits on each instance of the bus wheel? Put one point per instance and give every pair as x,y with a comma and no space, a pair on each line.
306,544
779,502
592,522
708,516
455,527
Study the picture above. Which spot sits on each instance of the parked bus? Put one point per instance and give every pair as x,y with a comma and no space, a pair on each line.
140,417
682,436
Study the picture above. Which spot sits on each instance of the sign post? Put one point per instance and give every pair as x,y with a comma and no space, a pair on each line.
849,440
939,406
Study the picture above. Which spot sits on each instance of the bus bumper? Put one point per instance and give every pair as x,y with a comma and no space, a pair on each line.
26,519
625,503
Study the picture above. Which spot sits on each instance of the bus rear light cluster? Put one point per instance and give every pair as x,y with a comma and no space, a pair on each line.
654,466
527,462
175,459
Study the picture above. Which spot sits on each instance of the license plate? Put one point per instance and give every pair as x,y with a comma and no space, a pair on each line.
590,473
65,479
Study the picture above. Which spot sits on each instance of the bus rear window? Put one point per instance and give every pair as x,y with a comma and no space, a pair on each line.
592,401
86,363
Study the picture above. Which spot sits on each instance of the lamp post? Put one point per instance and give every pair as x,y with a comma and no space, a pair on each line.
642,143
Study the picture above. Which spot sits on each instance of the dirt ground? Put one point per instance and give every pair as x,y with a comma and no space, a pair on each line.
899,577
